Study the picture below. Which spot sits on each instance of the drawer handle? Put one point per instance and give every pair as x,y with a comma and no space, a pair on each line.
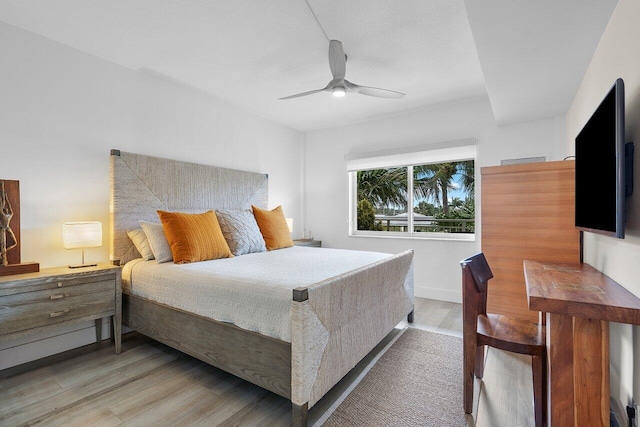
58,313
57,296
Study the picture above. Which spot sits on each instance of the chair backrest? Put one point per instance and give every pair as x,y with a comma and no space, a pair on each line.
479,269
475,275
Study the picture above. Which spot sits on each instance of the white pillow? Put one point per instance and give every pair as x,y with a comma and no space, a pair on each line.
140,241
157,241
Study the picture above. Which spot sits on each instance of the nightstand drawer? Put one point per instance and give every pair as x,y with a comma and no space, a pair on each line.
59,293
38,284
51,307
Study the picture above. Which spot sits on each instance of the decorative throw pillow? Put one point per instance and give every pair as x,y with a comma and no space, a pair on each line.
157,241
241,232
273,227
194,237
141,243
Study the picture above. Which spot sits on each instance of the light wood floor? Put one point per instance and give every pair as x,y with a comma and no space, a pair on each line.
150,384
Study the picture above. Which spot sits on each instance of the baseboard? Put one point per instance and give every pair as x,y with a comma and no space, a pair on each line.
32,347
69,354
438,294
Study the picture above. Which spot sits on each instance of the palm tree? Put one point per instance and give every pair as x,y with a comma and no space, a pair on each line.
383,187
435,180
456,203
467,171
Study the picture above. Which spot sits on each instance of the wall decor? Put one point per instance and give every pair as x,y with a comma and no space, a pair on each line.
10,231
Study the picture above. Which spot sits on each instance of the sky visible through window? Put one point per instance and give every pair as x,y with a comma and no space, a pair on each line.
456,192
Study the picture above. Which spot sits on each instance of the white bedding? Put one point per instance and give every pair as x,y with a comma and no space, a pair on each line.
252,291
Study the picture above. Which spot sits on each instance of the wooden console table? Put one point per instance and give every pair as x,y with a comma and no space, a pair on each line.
579,302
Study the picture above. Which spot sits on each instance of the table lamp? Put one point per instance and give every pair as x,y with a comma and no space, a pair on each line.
82,235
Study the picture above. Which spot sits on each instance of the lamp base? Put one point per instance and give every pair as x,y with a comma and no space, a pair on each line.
82,265
93,264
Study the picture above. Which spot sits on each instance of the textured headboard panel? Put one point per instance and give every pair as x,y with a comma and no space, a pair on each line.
140,185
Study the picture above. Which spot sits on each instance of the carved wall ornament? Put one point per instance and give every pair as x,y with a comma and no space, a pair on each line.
8,238
10,262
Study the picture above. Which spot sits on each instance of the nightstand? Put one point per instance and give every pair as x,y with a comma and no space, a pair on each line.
58,296
312,243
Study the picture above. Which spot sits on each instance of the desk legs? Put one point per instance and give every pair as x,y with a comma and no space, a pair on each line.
578,357
560,359
591,371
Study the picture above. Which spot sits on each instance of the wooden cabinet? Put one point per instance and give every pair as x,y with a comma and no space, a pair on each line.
527,213
55,296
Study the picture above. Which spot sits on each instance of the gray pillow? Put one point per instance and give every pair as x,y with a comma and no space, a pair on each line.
241,231
157,241
140,241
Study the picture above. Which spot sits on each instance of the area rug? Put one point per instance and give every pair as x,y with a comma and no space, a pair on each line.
416,382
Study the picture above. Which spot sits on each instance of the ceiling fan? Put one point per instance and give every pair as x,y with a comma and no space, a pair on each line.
339,86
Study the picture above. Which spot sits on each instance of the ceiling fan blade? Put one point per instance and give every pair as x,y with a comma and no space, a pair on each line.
372,91
338,85
337,60
304,93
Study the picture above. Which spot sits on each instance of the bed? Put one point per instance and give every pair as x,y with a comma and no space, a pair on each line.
326,320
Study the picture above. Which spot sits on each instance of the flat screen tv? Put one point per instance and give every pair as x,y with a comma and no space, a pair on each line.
600,168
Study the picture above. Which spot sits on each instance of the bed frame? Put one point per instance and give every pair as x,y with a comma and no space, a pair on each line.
335,323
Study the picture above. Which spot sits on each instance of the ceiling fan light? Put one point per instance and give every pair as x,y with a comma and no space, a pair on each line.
338,92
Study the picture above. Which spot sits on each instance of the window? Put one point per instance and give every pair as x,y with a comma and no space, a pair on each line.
421,193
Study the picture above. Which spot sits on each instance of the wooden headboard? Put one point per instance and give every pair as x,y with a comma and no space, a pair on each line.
140,185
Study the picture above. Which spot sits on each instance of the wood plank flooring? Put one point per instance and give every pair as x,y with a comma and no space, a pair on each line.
150,384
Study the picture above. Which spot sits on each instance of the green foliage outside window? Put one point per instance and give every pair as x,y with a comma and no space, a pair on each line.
367,216
464,210
384,192
427,209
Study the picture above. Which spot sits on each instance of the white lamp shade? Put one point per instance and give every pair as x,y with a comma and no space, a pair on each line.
82,234
290,224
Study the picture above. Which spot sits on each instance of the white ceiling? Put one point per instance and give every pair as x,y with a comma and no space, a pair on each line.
534,53
530,57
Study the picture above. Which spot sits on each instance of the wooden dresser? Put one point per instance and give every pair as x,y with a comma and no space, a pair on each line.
527,213
53,297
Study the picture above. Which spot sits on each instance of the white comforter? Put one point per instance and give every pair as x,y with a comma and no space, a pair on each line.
252,291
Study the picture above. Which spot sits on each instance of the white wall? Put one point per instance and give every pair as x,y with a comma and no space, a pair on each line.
437,272
62,110
617,56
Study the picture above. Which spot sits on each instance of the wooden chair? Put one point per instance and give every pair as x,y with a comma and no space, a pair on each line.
481,329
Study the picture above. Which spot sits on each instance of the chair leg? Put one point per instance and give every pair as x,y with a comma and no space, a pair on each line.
539,368
469,356
479,369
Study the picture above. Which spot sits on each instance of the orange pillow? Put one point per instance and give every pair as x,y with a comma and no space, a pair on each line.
194,237
273,227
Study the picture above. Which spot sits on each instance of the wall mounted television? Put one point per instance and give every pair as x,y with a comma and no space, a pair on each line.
604,168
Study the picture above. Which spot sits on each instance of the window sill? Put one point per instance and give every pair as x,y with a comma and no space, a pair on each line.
455,237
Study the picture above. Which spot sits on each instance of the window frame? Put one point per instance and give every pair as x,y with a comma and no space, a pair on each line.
441,153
